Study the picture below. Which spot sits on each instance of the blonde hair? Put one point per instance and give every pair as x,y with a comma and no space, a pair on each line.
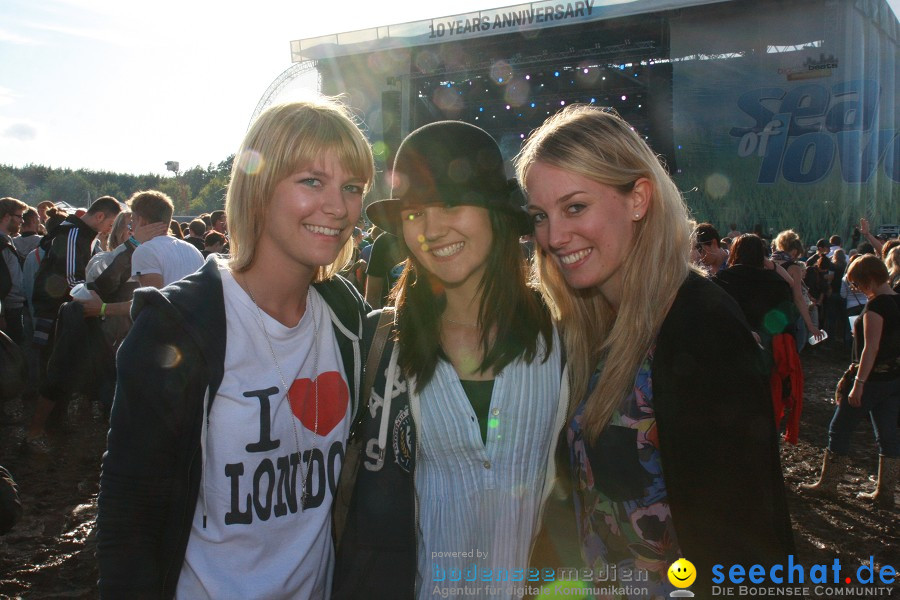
599,145
119,232
788,240
892,262
283,139
153,205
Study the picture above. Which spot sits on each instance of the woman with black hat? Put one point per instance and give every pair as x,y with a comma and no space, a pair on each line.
458,438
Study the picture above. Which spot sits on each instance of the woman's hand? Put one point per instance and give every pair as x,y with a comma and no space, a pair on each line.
818,334
855,395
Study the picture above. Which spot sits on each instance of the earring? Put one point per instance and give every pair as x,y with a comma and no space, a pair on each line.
637,216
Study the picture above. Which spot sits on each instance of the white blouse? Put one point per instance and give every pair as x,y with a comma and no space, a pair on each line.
478,503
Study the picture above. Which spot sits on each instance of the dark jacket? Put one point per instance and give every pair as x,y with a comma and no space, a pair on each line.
718,445
765,299
82,360
170,366
376,513
113,285
68,250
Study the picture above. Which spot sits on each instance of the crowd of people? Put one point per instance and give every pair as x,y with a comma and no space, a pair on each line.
542,382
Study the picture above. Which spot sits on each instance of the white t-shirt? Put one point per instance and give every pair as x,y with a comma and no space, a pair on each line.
165,255
257,542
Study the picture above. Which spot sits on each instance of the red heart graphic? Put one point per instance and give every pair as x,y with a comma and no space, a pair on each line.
333,399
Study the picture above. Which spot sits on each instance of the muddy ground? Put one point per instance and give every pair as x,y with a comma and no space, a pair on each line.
50,553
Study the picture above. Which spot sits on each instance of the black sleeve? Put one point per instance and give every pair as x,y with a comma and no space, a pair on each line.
114,276
141,480
717,435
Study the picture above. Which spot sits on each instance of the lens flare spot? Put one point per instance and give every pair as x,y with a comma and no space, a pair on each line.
380,149
569,589
517,93
775,321
448,101
169,357
717,185
420,238
399,184
427,61
250,162
460,170
501,72
493,423
359,99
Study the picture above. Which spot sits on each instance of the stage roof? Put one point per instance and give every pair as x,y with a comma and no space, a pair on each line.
516,18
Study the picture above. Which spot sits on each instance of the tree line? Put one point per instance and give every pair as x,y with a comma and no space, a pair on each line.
194,191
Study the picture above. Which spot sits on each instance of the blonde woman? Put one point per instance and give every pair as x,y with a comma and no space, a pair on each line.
788,253
671,442
236,384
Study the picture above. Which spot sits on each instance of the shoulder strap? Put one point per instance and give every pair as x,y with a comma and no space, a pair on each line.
385,323
344,493
5,243
344,300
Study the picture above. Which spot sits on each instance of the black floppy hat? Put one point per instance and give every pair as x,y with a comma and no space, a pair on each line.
452,163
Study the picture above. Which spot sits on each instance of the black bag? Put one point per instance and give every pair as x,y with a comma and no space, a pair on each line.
13,369
5,280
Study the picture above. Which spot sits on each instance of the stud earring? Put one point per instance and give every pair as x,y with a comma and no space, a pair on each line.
637,216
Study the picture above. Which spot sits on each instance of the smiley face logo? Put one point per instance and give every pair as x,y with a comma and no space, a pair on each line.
682,573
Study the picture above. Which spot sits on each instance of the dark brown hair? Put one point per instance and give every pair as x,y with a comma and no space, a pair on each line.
508,306
197,227
748,249
105,204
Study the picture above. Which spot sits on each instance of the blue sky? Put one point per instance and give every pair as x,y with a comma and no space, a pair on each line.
128,85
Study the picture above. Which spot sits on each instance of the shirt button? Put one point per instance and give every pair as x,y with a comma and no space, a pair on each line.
487,464
495,412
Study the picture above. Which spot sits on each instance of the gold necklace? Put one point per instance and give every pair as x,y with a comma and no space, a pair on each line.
304,492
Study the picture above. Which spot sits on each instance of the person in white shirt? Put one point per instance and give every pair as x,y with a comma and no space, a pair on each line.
163,259
236,385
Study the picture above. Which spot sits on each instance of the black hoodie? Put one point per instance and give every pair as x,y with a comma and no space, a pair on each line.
67,252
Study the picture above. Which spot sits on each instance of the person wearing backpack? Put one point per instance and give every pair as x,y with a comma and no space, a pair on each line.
11,218
249,368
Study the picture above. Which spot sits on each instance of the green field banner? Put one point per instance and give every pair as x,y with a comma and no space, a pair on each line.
786,115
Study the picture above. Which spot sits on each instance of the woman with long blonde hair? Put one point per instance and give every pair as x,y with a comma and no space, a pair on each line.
672,448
